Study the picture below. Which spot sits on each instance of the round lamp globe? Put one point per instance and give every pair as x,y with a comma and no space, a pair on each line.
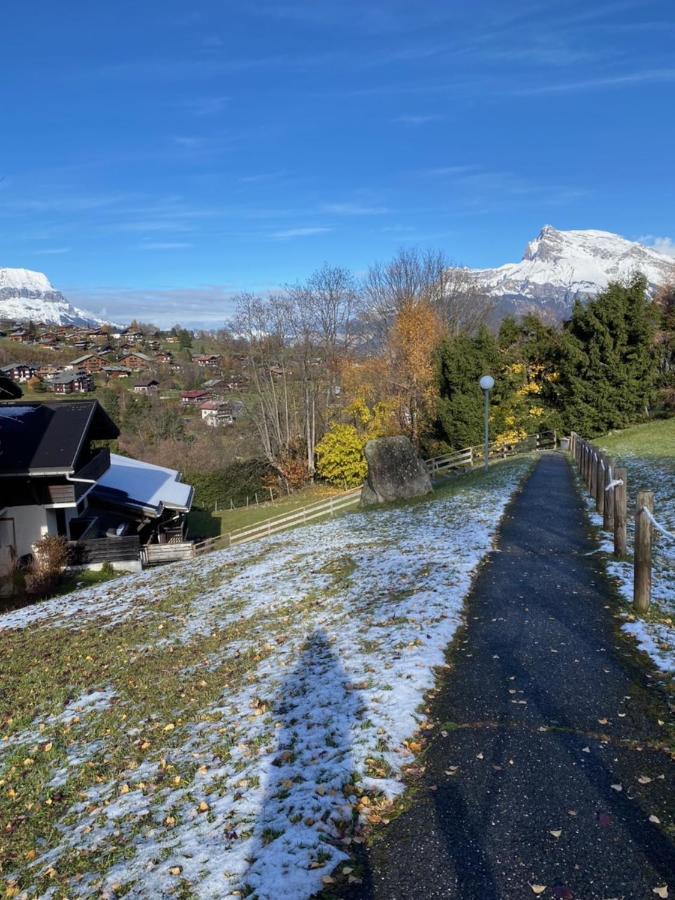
487,382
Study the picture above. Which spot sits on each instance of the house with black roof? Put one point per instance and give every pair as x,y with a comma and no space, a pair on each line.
57,479
48,465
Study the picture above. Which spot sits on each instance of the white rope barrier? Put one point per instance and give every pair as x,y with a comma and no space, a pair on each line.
657,525
614,483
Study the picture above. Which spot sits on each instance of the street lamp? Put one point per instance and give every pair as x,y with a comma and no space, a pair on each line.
487,382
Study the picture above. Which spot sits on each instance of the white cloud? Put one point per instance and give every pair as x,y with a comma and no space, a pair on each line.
289,233
201,307
663,245
53,251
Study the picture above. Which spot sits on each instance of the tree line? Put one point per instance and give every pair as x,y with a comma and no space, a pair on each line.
334,363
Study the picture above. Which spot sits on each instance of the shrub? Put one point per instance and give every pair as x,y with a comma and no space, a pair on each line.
340,458
241,479
49,561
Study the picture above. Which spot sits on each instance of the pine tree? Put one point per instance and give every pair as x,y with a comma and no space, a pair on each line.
608,366
461,362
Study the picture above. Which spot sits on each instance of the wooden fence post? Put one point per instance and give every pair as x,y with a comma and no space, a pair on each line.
642,559
608,511
620,495
600,485
593,473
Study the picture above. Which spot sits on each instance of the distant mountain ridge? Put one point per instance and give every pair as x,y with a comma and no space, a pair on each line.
26,295
560,266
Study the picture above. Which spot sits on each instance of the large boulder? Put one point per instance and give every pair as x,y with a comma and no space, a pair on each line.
395,472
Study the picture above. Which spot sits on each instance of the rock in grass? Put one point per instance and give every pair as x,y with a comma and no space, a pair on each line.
395,472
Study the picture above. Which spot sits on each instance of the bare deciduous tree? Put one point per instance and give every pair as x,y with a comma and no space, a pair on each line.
424,276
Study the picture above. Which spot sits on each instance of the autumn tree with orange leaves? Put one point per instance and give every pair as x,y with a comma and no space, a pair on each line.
415,334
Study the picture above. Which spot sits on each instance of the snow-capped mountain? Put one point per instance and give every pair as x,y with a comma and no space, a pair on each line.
559,266
28,295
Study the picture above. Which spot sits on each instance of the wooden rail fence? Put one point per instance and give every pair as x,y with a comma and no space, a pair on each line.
607,483
461,460
281,522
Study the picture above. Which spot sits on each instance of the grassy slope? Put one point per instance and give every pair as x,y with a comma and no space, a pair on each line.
164,645
208,523
651,440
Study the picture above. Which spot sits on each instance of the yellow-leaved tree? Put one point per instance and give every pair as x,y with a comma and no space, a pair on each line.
415,334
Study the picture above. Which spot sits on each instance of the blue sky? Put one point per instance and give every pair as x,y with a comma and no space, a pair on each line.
158,156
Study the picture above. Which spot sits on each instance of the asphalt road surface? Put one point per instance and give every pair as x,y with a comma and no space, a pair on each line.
547,759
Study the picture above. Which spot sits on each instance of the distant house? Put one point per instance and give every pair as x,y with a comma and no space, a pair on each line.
164,357
112,372
215,414
20,372
208,361
135,361
70,383
146,387
90,363
194,398
20,336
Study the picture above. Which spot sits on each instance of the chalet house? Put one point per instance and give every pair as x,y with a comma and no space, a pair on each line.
90,363
215,414
70,383
146,387
47,468
212,361
194,398
20,336
112,372
20,372
164,357
135,361
53,480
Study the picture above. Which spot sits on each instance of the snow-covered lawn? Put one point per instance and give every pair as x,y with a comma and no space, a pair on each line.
648,454
225,727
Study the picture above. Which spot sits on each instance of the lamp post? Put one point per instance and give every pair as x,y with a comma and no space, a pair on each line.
487,382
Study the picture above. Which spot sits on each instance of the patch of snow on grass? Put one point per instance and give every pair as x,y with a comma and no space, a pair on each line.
346,622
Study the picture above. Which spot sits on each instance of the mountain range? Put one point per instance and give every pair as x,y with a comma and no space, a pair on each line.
557,268
560,266
26,295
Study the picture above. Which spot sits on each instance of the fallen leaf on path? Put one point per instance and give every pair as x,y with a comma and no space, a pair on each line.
556,834
480,756
617,787
603,721
604,821
654,820
661,891
562,892
644,779
571,812
538,888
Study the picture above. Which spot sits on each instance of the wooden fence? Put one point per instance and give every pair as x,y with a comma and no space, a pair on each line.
109,549
281,522
607,483
474,456
157,554
459,460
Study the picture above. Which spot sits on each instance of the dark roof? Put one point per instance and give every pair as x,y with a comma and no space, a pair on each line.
47,438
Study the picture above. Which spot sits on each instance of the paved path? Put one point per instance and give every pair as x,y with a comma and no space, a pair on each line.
544,712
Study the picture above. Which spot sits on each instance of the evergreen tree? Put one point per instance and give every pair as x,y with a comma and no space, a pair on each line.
461,362
608,367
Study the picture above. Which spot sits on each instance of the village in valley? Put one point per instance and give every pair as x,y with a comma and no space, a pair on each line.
144,360
337,450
